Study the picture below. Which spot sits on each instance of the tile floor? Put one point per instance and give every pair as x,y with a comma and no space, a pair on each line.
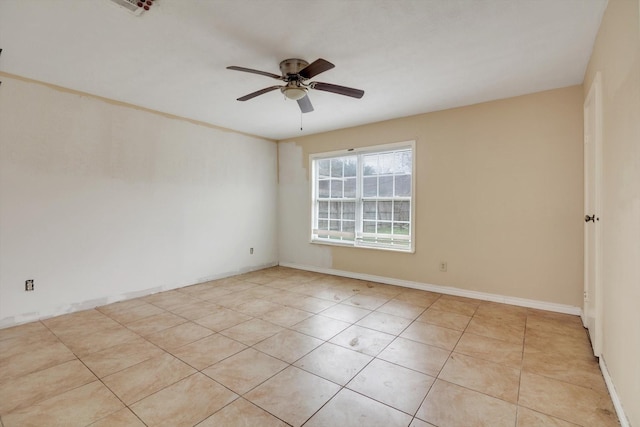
283,347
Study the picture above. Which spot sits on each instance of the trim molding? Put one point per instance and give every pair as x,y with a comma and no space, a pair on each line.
624,422
448,290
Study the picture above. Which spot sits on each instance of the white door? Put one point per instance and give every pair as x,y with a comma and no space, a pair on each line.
592,311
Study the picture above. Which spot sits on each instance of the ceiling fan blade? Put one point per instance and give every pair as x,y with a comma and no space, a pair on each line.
305,104
250,70
316,67
258,93
341,90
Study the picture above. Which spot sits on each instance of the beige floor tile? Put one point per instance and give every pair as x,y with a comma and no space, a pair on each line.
311,304
92,341
252,331
363,340
346,313
232,301
214,293
241,413
399,387
156,323
257,307
122,418
419,423
555,326
529,418
207,351
369,302
485,377
80,322
175,337
128,314
35,387
169,299
195,310
145,378
401,309
569,402
122,356
286,316
446,319
414,355
288,345
78,407
547,342
490,349
582,372
22,359
330,294
501,312
351,409
334,363
321,327
222,319
184,403
245,370
423,299
293,395
449,405
32,329
432,335
456,305
493,328
384,322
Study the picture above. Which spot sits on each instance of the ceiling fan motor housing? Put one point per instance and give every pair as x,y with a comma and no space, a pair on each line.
292,66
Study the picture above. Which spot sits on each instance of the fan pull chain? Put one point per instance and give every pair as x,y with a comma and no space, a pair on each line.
301,121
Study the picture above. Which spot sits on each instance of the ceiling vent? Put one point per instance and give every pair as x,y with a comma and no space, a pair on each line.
135,6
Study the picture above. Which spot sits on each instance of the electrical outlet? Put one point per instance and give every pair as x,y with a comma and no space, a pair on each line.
28,285
443,266
250,251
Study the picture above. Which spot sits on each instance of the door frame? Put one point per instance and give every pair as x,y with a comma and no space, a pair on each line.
593,100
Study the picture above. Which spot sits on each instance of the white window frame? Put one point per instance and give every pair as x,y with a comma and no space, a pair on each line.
359,238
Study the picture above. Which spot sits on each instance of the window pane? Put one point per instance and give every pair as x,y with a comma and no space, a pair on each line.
401,211
384,228
335,225
336,188
386,186
403,185
369,227
403,162
369,210
323,188
350,187
323,224
349,226
370,166
323,168
384,211
350,166
401,228
323,209
386,163
349,210
335,210
370,187
336,167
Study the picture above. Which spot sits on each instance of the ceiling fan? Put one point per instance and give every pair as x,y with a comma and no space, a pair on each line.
296,72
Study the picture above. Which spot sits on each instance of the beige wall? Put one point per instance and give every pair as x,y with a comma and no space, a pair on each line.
616,55
499,198
100,201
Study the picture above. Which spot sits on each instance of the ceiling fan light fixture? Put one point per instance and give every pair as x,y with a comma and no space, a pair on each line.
294,92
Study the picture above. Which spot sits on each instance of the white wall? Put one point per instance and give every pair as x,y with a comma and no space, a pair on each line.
100,201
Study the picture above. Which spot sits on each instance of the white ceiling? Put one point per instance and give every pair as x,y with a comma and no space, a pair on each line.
409,56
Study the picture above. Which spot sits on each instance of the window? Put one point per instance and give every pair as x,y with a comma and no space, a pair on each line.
364,197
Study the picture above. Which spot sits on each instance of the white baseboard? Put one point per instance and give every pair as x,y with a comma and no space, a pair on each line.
448,290
617,404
